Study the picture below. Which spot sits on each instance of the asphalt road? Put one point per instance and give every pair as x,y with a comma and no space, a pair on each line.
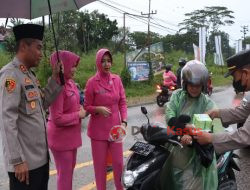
84,173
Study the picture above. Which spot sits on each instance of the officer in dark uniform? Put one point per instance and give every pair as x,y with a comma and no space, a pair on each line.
182,63
22,115
239,67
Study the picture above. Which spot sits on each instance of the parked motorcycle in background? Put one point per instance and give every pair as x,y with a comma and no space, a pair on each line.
210,85
164,94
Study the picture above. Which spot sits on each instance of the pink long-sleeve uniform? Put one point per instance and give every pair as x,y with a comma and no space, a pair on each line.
64,125
169,78
110,95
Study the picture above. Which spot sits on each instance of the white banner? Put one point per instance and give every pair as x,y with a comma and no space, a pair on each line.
218,56
196,52
238,46
247,46
202,44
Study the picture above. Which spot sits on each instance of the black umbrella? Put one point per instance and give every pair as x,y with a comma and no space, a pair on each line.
30,9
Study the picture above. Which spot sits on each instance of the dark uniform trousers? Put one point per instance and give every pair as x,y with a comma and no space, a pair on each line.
38,179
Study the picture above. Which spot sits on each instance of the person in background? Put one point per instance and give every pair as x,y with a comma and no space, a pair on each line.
105,100
182,63
64,122
169,79
22,112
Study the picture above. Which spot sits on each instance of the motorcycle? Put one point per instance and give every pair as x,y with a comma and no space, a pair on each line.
143,168
164,94
209,85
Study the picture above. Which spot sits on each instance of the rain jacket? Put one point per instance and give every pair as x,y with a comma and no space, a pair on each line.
104,90
64,123
183,169
169,78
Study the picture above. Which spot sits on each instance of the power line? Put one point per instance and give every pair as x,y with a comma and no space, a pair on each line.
145,22
155,25
166,22
164,26
121,5
244,31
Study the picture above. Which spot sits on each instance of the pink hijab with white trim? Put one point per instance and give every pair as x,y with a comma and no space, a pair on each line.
68,59
100,71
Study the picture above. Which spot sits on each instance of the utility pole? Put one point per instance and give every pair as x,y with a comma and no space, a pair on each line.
244,31
124,38
149,40
124,32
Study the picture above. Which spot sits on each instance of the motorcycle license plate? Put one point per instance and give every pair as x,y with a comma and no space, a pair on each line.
142,148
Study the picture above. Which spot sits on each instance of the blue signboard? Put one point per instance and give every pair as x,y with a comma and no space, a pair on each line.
139,70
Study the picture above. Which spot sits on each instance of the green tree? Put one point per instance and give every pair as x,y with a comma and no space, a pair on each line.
140,39
15,22
227,51
182,42
246,41
118,40
65,26
94,30
211,17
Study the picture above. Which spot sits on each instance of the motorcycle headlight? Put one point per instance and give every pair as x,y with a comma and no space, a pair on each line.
159,90
129,177
172,88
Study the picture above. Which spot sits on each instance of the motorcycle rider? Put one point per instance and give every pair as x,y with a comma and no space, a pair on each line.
169,78
182,63
183,169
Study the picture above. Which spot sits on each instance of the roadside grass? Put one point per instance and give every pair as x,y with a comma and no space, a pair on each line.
4,59
87,68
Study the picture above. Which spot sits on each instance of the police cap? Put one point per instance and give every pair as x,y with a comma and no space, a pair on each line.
238,61
33,31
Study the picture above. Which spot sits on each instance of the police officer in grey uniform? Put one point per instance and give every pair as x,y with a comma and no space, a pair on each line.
22,115
239,68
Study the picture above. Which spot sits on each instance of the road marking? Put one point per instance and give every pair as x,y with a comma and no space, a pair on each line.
93,184
85,164
109,176
81,165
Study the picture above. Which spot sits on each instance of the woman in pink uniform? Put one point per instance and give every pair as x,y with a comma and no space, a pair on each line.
169,78
105,100
64,123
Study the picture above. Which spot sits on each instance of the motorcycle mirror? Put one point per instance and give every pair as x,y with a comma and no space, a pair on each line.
144,110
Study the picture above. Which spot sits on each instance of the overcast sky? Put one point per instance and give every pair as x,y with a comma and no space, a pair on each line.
171,12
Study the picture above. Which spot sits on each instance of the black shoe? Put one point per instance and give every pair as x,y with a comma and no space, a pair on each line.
109,169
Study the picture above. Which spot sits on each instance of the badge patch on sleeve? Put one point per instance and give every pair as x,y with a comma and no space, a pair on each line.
10,85
27,81
23,68
33,105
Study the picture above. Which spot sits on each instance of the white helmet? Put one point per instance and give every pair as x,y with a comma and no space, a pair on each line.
194,72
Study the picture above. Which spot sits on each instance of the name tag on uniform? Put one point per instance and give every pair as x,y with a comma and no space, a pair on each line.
101,91
27,87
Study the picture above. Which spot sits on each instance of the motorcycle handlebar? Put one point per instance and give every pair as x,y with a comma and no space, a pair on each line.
175,142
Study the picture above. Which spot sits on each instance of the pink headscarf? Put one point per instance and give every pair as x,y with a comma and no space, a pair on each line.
68,60
99,56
